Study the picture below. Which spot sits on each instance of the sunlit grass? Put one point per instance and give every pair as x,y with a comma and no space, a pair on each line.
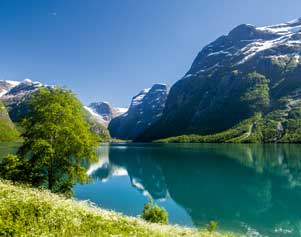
26,211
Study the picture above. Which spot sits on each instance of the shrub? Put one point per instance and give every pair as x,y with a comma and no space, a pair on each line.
10,168
155,214
212,226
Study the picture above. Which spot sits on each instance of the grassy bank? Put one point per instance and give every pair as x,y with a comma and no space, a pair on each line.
30,212
238,134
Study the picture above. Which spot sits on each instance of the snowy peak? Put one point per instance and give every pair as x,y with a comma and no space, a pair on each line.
157,91
247,42
137,100
24,87
95,115
248,32
290,27
229,76
6,86
104,111
145,109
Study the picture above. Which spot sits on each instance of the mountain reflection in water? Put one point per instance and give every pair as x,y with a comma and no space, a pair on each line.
254,189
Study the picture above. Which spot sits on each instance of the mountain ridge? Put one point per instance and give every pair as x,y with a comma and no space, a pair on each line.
146,108
250,70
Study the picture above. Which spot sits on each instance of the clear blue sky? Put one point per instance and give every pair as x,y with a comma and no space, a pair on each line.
111,49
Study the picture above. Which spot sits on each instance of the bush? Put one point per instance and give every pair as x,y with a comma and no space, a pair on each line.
155,214
212,226
10,168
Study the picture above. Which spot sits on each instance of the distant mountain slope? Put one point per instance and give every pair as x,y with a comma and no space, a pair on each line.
6,86
105,111
8,131
249,71
145,109
15,96
97,124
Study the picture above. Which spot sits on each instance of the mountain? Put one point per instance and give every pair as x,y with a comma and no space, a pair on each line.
15,96
145,109
244,86
105,111
97,124
8,131
5,86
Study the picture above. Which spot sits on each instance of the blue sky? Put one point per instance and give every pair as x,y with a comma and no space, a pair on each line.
111,49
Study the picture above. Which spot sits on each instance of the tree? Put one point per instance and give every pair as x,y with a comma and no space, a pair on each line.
153,213
58,144
212,226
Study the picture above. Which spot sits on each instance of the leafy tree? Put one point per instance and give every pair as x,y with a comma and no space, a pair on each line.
212,226
153,213
58,144
12,168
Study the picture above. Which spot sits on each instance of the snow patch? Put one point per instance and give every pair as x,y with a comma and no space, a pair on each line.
253,48
95,115
13,83
121,110
283,29
3,92
297,57
219,52
138,98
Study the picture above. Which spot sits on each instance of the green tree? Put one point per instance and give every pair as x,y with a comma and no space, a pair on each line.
58,144
212,226
153,213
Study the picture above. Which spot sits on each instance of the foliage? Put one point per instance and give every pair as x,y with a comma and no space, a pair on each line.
212,226
57,142
26,211
236,134
12,168
257,94
153,213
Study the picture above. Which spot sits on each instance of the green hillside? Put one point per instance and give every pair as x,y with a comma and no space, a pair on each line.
8,131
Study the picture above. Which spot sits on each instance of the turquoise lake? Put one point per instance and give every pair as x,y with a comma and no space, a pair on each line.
249,189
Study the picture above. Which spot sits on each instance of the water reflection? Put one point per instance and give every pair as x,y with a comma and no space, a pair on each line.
248,188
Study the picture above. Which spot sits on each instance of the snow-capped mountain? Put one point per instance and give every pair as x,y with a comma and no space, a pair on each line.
6,86
246,42
15,97
145,109
104,111
250,70
14,94
11,89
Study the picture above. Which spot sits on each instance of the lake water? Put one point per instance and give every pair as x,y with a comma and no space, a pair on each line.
250,189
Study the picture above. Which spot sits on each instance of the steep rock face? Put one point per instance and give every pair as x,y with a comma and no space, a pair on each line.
145,109
106,111
250,70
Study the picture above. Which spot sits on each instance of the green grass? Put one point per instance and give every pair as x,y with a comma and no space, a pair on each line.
237,134
25,211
